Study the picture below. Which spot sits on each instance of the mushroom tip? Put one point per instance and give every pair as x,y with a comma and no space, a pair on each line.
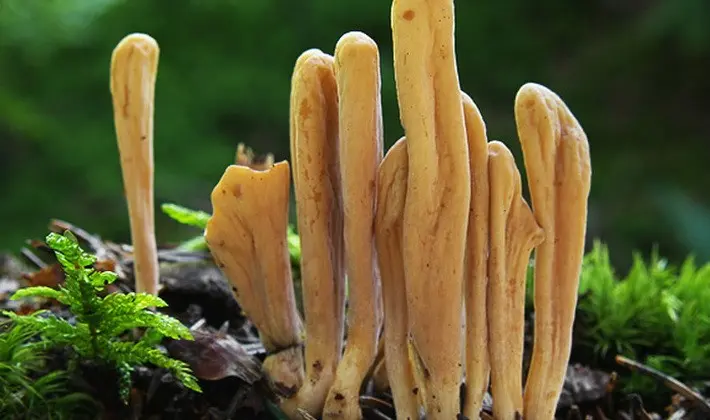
497,149
140,41
466,98
354,39
531,94
531,88
307,55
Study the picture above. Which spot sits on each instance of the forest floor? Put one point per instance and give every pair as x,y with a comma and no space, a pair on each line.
226,354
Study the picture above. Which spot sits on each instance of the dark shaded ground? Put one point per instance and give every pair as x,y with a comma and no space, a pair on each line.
226,353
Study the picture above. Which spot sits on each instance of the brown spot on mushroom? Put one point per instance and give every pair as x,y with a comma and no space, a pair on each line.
317,366
305,110
237,192
339,397
408,14
415,391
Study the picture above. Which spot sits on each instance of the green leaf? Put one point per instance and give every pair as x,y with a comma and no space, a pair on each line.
198,243
68,251
101,278
196,218
37,291
294,245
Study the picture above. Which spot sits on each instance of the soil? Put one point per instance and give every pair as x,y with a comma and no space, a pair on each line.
226,354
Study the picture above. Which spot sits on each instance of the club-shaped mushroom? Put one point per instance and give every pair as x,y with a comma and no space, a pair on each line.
134,66
391,195
438,194
513,234
476,270
315,167
357,72
558,167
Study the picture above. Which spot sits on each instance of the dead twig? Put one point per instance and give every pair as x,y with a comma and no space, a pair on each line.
692,396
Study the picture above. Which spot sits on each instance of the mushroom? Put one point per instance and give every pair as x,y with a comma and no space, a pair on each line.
513,235
391,193
134,65
357,72
557,162
314,159
438,194
475,269
247,238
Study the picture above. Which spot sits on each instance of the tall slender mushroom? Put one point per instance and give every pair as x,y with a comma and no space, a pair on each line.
357,72
134,66
476,271
513,234
438,194
314,159
557,162
391,193
247,238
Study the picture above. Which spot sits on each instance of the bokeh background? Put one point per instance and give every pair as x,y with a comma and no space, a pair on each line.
636,74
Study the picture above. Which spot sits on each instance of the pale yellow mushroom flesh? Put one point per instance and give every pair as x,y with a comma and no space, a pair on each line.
315,167
134,67
438,194
556,153
475,269
357,73
513,234
391,193
247,238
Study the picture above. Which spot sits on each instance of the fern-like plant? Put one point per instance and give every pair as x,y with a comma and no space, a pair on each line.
102,322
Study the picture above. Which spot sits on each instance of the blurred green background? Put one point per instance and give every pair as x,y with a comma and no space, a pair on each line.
635,73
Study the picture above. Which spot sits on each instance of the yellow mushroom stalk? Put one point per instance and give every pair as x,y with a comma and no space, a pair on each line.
315,167
558,169
357,72
134,66
476,270
438,194
247,238
513,235
391,193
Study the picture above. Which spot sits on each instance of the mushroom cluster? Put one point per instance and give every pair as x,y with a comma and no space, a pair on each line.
434,237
